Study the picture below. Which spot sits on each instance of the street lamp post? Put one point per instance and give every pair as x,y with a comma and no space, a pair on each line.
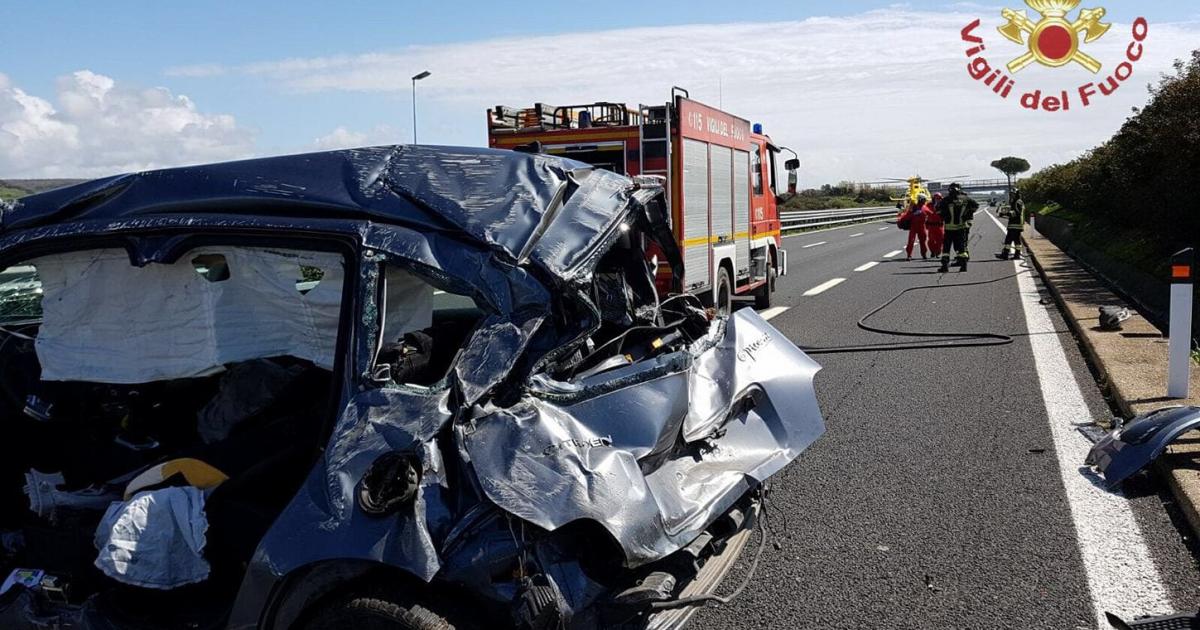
414,95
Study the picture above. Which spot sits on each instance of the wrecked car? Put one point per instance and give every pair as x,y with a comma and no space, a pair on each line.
408,386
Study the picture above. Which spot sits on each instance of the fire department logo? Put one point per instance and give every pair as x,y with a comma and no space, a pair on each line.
1054,41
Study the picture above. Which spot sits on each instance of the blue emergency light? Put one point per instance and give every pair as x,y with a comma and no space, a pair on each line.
758,128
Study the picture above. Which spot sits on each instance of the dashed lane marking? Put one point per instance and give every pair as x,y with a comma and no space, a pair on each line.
883,229
772,313
893,254
867,266
815,245
1121,574
821,288
856,235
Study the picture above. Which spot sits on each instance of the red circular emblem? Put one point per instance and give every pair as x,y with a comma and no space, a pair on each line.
1054,42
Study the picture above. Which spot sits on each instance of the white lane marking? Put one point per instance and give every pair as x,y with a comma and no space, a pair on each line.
772,313
1120,571
815,245
821,288
867,266
883,229
893,254
856,235
997,222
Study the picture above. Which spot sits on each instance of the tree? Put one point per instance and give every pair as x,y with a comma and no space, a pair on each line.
1011,167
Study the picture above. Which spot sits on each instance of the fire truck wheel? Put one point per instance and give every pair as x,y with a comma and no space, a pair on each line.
724,294
762,295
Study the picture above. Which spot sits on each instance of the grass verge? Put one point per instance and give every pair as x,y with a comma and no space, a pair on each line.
8,192
1144,250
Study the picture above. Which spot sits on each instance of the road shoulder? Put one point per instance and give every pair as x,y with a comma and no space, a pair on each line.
1132,363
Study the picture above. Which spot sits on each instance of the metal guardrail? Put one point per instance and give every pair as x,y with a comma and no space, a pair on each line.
818,218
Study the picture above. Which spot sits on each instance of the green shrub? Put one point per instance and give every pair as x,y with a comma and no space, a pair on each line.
1144,178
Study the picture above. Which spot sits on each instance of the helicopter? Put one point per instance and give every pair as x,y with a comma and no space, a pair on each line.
916,188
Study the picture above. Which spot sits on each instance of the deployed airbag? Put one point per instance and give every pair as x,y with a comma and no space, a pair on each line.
155,540
110,322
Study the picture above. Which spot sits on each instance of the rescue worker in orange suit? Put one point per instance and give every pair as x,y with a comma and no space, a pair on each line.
1017,216
918,213
958,211
935,227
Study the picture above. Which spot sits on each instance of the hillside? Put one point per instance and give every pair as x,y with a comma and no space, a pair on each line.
14,188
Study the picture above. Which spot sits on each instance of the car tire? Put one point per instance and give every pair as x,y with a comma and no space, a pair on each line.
376,613
762,297
723,297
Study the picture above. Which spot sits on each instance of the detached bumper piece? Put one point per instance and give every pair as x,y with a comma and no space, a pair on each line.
1181,621
1125,451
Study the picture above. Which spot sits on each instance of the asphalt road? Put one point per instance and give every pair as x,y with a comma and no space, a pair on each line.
936,499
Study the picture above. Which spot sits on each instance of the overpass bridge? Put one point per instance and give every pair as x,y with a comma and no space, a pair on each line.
973,185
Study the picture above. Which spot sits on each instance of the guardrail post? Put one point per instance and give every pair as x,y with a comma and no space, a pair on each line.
1183,266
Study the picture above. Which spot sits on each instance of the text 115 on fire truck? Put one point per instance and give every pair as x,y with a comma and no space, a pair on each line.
719,175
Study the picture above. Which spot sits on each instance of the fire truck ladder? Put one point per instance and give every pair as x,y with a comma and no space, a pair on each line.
655,131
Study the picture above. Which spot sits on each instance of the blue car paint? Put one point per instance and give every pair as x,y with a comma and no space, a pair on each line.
1125,451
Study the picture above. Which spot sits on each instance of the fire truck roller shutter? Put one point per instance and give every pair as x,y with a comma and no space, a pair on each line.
695,214
722,205
741,211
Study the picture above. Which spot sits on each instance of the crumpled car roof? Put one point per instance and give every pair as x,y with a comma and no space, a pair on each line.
519,204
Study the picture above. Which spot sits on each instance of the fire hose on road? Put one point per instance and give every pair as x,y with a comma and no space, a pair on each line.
954,339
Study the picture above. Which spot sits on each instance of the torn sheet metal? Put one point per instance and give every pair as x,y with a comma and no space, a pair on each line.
552,460
1125,451
498,198
323,521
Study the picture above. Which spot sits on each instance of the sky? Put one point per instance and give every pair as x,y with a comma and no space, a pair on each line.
861,90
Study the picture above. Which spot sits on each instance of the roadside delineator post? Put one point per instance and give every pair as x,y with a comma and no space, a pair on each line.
1183,266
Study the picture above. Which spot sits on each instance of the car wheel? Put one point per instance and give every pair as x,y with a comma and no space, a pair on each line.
762,297
724,296
376,613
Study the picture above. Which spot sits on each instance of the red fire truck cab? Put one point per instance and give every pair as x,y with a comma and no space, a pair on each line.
718,172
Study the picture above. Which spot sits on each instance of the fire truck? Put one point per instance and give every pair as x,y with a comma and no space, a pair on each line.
718,172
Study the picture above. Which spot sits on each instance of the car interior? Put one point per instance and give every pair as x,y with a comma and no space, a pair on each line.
123,386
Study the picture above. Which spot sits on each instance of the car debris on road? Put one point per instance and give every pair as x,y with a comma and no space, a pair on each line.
1125,451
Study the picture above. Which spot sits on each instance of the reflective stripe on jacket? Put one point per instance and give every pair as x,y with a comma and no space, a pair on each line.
1018,216
958,212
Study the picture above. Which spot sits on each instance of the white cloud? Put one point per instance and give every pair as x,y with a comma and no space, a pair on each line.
879,94
197,71
343,138
97,127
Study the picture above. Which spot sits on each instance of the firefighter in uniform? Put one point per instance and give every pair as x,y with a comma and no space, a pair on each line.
1017,216
958,211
